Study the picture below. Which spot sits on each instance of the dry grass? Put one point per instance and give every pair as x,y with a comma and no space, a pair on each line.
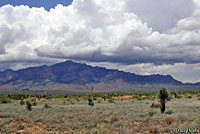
125,117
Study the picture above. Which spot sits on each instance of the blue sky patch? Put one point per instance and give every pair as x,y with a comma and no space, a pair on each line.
47,4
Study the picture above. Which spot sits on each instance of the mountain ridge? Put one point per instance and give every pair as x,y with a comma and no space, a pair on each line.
70,72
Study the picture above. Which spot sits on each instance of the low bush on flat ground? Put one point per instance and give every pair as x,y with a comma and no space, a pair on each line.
132,115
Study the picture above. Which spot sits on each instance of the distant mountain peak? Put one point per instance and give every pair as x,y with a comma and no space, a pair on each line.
70,72
8,70
194,84
67,62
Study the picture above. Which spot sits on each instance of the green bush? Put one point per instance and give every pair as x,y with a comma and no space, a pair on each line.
152,113
154,105
77,99
90,102
169,112
17,96
28,106
22,102
46,106
5,100
34,103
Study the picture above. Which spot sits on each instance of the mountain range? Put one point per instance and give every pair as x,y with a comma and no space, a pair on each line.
69,72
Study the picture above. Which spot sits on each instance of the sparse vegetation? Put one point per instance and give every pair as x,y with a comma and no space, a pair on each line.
5,100
124,117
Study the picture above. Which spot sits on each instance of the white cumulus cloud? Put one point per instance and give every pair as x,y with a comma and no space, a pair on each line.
123,31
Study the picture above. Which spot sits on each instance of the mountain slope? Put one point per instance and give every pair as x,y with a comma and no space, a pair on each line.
69,72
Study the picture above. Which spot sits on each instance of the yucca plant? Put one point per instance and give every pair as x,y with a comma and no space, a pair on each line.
163,95
90,102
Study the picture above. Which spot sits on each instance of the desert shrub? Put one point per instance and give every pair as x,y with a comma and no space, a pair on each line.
111,100
94,98
169,112
113,119
153,98
5,100
34,103
72,102
46,106
33,99
17,96
167,130
154,130
49,96
153,105
77,99
99,101
179,96
169,120
182,120
20,127
189,97
28,106
90,102
152,113
22,102
135,96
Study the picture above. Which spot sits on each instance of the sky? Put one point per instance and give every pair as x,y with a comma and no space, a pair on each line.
47,4
139,36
